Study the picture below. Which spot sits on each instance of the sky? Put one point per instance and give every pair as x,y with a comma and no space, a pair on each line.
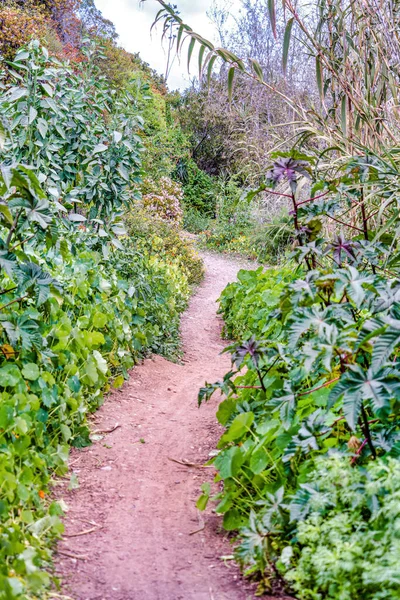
133,22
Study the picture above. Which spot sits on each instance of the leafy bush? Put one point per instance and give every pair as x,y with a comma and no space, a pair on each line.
348,539
315,370
230,238
194,221
238,228
18,28
72,324
156,235
198,187
69,126
163,198
246,302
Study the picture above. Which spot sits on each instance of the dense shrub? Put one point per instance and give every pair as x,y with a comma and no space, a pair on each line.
73,323
348,537
230,238
199,188
155,234
163,199
246,302
17,28
194,221
315,371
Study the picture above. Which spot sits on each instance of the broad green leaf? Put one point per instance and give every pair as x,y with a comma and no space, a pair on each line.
240,425
99,148
31,371
233,520
226,410
100,320
46,87
101,362
259,461
229,462
10,376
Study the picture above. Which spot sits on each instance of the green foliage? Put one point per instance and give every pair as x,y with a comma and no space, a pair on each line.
81,301
198,187
245,303
315,370
240,229
82,138
194,221
349,538
156,235
73,326
232,238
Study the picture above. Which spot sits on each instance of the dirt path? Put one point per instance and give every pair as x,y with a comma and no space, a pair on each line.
140,504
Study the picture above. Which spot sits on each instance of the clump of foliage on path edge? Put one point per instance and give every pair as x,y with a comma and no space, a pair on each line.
314,389
81,301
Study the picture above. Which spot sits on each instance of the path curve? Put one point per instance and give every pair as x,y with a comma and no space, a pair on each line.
141,505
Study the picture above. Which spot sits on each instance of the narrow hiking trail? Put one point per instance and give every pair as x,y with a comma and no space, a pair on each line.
147,541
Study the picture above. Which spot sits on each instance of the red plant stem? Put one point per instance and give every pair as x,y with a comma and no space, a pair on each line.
361,448
295,217
338,421
372,215
277,193
345,224
319,387
315,198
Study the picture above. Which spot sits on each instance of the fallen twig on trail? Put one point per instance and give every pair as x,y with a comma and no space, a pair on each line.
197,530
97,431
86,532
72,555
202,525
189,464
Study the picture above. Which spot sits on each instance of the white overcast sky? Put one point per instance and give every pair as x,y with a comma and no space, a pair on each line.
133,22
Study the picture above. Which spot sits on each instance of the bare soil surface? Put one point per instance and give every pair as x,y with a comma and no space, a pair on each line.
132,529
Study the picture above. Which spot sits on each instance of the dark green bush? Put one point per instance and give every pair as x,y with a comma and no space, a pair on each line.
199,188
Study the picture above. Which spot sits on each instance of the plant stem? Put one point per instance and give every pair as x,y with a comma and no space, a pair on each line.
13,227
367,431
324,385
314,198
345,224
260,377
13,302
